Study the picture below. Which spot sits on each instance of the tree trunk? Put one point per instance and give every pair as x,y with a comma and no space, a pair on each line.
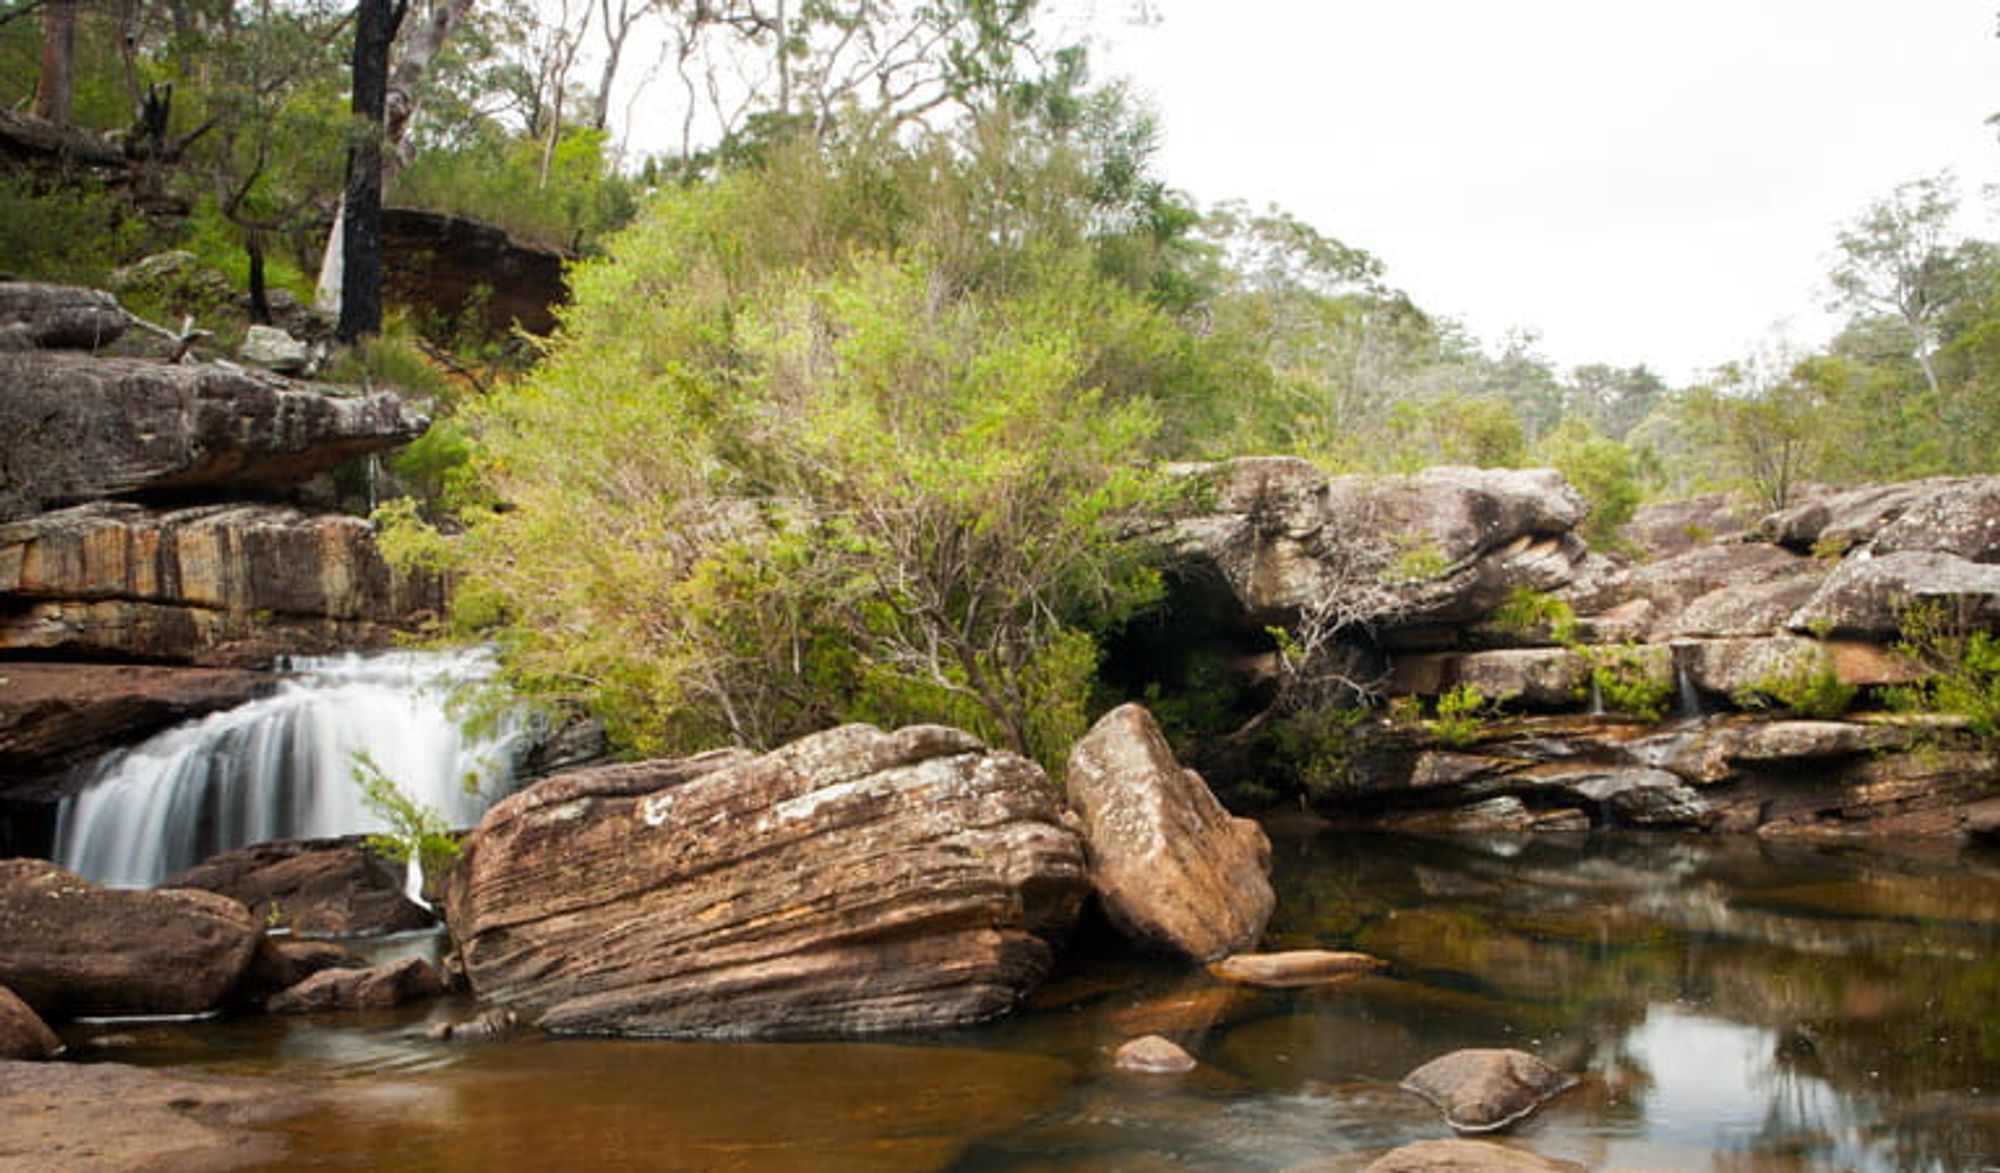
375,27
260,297
56,84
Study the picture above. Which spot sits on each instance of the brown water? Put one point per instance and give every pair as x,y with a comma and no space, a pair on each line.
1731,1006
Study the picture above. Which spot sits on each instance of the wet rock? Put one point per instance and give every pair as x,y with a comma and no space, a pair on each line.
1282,534
1294,969
75,428
1153,1055
218,585
23,1034
487,1026
854,881
1173,869
282,963
324,887
69,947
380,987
1199,1006
54,716
1487,1090
1467,1156
1865,597
36,317
138,1120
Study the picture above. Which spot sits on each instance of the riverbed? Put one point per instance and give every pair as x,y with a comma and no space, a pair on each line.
1729,1004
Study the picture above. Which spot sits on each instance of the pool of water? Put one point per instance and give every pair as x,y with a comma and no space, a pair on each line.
1730,1005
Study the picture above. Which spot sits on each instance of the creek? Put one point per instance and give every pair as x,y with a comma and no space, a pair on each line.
1731,1004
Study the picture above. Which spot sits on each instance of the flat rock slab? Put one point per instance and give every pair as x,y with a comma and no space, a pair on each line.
1173,869
852,882
77,428
1295,969
111,1118
1487,1090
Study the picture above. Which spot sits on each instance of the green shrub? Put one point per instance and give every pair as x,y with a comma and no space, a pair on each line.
1528,614
1626,682
1964,666
1461,713
1806,683
417,831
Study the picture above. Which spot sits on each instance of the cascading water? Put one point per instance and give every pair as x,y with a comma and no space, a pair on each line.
283,767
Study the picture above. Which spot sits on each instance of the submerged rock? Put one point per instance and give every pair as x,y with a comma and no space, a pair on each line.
1153,1055
1468,1156
110,1118
1299,967
854,881
1487,1090
23,1034
69,947
1173,869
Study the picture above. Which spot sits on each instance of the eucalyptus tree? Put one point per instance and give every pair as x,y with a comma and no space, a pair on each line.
1899,260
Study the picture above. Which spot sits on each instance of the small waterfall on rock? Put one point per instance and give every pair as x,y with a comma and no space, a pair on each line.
1688,697
282,767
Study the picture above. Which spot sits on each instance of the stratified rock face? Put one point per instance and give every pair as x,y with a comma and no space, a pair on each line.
1487,1090
78,428
69,947
35,317
459,268
1444,545
1173,869
54,716
327,887
854,881
209,584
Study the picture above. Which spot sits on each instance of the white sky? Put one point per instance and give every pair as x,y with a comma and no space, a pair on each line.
1636,182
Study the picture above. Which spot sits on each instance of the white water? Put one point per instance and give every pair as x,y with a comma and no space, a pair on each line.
283,767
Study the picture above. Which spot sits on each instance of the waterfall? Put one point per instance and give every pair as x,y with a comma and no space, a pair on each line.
1687,695
282,767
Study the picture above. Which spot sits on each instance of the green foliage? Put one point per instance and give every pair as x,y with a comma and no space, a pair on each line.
1460,714
1603,470
1415,562
817,444
73,231
1807,682
1315,746
416,831
1630,680
1963,662
495,176
1527,614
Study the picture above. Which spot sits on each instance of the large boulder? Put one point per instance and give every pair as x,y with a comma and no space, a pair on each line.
209,584
1959,517
1172,868
1865,597
854,881
77,428
35,316
324,887
69,947
1445,545
1840,521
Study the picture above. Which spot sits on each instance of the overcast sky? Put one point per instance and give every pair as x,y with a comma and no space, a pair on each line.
1636,182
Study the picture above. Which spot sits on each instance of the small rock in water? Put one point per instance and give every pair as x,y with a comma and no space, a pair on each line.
379,988
1487,1090
496,1023
1299,967
1467,1156
1154,1055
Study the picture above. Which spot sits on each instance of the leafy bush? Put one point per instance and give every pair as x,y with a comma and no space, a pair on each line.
1964,665
1625,678
1461,714
1807,683
416,831
1529,614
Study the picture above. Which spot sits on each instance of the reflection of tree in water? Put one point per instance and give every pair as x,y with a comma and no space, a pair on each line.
1875,977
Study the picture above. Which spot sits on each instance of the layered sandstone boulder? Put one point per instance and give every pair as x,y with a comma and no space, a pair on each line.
69,947
852,882
1445,545
222,585
1172,868
84,428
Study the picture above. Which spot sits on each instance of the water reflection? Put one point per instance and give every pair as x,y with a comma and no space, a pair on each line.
1732,1005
